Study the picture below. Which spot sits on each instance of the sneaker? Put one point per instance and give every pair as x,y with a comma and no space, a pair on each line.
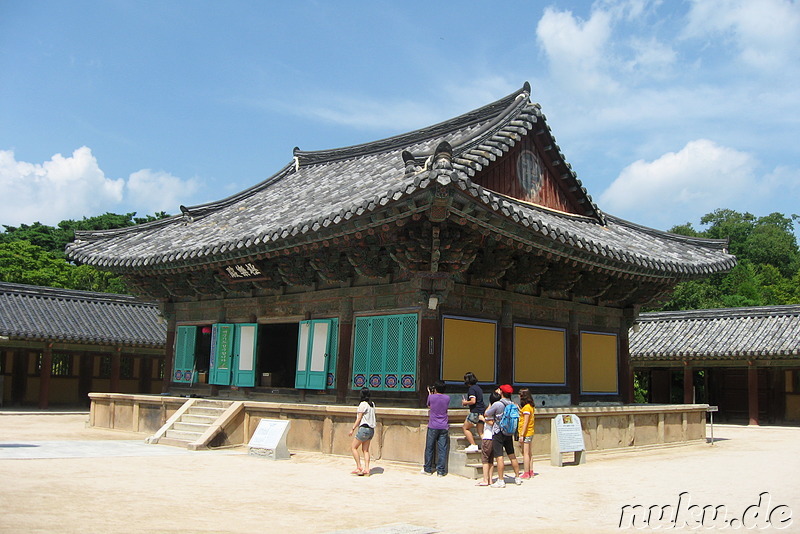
526,475
423,472
499,484
441,474
471,448
517,480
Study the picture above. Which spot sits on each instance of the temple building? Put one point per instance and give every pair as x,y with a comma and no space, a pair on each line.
58,345
745,361
469,245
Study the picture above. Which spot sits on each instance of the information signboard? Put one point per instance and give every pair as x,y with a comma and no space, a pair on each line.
566,435
269,439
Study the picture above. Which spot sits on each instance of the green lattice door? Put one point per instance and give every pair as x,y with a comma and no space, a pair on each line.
317,345
184,369
385,353
221,365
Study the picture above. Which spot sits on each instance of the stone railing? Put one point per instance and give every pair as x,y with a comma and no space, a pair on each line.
400,435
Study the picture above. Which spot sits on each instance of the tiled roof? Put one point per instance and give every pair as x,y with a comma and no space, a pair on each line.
727,333
320,190
62,315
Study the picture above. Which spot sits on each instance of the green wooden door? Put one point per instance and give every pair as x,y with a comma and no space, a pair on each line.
183,370
244,355
316,353
385,353
221,365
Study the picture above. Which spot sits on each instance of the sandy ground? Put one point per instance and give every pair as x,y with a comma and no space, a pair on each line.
231,491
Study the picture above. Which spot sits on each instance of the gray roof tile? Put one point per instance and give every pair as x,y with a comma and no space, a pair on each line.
324,188
725,333
63,315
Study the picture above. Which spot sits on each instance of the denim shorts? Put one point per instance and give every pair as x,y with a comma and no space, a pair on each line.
527,439
474,417
365,433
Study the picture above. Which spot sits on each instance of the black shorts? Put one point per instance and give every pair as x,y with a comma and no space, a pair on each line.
499,442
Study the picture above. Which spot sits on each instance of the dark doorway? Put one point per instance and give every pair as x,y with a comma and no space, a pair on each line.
277,354
202,351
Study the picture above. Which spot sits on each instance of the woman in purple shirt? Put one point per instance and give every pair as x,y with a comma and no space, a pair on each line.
437,442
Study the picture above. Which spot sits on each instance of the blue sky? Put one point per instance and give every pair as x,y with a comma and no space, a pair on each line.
666,110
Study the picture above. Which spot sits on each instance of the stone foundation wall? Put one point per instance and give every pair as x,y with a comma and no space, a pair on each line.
400,435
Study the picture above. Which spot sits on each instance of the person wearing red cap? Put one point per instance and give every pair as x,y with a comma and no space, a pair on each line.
500,441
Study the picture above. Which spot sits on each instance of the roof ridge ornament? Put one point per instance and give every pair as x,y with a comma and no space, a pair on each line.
187,215
410,163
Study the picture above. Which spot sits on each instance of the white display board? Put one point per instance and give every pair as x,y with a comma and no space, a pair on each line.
566,435
269,439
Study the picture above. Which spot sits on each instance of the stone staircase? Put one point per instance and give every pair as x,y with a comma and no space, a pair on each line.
190,427
468,464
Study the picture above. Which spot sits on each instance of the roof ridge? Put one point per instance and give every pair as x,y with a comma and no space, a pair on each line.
723,243
718,313
497,110
71,294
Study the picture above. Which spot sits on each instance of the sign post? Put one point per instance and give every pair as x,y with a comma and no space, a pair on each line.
269,439
566,436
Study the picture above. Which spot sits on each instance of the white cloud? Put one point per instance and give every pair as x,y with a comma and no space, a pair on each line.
75,186
58,189
766,33
678,186
148,191
577,49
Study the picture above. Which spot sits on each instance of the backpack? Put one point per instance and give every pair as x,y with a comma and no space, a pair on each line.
509,422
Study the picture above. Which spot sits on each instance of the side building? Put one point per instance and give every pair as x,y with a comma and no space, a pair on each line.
58,345
745,361
469,245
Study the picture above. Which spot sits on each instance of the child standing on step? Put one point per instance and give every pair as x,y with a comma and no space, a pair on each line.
474,401
487,454
526,431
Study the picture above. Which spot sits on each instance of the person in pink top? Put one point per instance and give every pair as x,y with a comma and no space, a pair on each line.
437,441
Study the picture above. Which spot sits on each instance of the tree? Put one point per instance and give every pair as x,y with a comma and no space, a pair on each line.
24,263
768,268
34,254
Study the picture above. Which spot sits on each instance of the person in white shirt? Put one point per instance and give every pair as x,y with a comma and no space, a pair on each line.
364,427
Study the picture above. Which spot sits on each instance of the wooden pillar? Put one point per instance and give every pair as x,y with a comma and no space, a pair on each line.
44,376
688,383
506,349
145,374
345,351
169,348
85,374
116,358
624,368
574,359
752,392
429,352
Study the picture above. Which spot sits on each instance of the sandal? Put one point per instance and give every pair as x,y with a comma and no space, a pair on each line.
482,483
358,472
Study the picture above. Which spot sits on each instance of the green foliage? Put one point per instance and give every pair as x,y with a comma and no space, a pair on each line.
34,254
768,269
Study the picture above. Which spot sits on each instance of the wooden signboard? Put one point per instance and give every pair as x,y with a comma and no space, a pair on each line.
269,439
566,435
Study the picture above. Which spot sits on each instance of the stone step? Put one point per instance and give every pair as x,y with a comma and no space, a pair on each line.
182,434
172,442
206,410
209,403
198,418
198,428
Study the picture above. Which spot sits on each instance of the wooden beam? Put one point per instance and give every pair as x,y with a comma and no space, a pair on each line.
44,376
